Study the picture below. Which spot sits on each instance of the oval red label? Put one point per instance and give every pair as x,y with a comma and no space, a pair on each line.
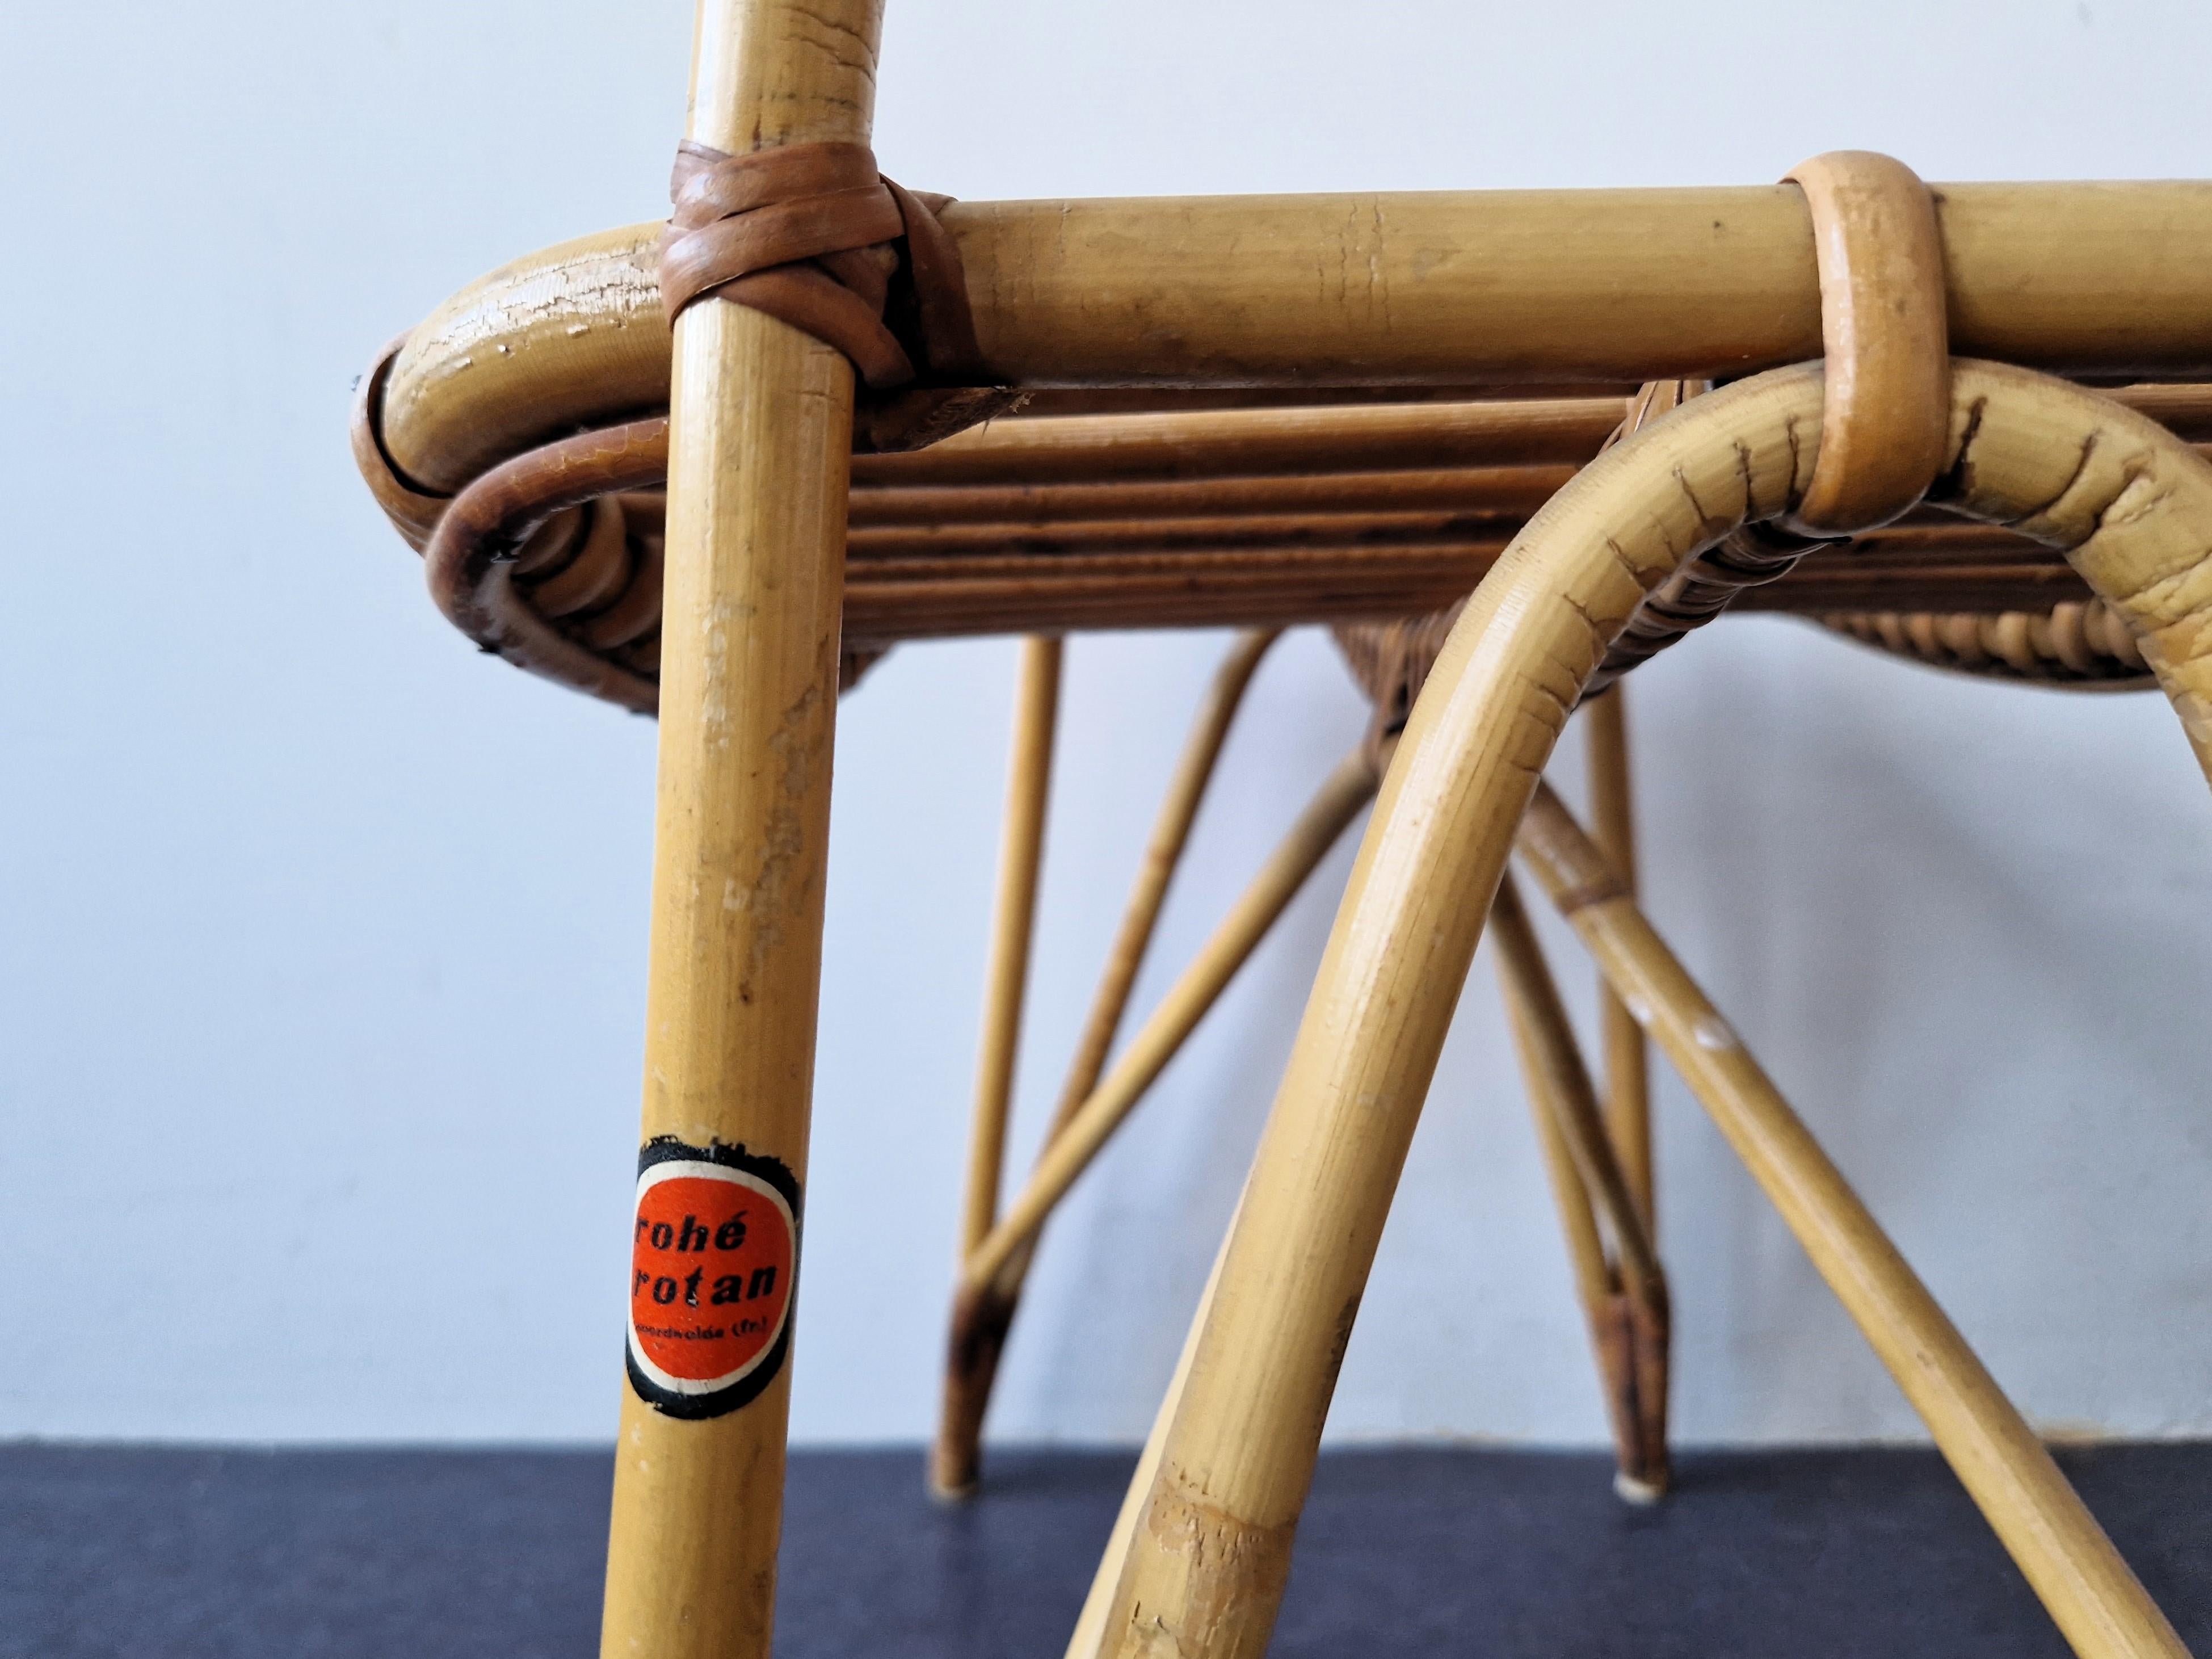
712,1258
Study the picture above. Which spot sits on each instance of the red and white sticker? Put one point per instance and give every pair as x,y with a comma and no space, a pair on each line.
713,1253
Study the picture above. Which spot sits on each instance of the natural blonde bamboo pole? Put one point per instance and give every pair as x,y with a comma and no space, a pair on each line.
1243,587
1594,1281
1290,586
1183,445
2095,1600
1013,924
1627,1062
972,1353
1460,287
1205,1566
1626,1306
982,1319
1337,801
762,431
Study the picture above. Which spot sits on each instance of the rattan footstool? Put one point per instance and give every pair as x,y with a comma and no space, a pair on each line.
890,416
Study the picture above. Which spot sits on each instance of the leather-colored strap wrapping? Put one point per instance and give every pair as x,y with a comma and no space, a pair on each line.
813,235
1886,412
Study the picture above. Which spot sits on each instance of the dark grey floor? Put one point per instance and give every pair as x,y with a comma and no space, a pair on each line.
166,1555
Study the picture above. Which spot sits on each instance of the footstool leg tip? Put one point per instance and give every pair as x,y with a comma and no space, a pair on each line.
1641,1494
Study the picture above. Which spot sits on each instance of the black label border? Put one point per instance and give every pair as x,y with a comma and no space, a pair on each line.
697,1408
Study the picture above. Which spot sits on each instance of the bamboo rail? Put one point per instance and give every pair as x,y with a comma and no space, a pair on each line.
993,1266
1067,550
1316,829
1482,287
513,437
1044,508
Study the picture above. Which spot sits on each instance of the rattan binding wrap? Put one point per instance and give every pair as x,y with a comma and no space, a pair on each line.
2085,646
1886,406
2079,644
1392,660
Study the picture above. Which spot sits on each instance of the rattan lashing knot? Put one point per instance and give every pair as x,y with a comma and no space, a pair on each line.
813,235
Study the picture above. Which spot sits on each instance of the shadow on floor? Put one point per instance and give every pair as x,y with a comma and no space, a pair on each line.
182,1554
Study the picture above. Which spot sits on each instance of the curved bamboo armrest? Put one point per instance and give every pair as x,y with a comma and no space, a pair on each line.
1206,1560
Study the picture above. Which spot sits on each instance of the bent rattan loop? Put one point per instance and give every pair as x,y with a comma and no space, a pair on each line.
1886,404
413,510
483,543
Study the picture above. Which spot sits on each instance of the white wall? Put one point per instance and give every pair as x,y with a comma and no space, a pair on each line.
321,950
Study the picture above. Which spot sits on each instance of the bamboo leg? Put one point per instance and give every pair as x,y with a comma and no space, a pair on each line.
2094,1599
1333,807
1627,1071
1194,770
1013,921
981,1322
1005,1254
762,418
1625,1304
972,1356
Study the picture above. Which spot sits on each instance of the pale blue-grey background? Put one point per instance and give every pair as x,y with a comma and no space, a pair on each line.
321,938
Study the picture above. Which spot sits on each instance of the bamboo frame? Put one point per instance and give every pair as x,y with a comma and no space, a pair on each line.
1203,1569
761,436
1065,510
1317,580
1172,445
1186,788
1262,516
1087,1640
981,1320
